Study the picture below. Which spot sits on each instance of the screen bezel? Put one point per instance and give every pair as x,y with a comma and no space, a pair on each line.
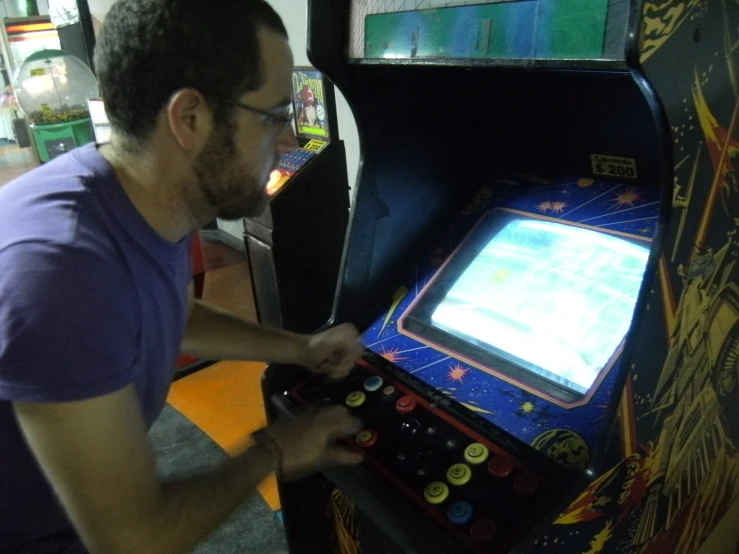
416,321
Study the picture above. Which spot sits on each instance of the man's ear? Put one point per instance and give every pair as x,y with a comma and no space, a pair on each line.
189,118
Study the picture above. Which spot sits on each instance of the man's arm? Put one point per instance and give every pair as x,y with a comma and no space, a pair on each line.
97,457
214,334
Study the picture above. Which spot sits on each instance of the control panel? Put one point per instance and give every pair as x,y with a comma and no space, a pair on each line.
293,161
476,488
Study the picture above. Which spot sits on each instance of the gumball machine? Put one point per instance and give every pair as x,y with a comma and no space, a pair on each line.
53,88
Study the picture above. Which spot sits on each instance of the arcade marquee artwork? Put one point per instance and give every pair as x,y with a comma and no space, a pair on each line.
310,101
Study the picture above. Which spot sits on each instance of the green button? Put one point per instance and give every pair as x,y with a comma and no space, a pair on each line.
459,474
436,492
476,453
355,399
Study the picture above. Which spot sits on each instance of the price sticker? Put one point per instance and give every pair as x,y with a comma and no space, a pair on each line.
613,166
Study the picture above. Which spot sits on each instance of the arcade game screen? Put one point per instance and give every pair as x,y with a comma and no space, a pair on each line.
551,299
310,104
311,126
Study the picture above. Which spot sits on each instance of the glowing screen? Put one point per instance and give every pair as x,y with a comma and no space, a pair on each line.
557,297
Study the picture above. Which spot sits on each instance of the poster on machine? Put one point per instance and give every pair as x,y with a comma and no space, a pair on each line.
310,101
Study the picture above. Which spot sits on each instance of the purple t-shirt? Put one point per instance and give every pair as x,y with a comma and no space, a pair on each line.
91,300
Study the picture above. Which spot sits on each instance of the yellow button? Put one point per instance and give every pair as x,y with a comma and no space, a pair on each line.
459,474
436,492
364,436
355,399
476,453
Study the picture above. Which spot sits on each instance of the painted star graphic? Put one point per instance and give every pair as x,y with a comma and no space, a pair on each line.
558,207
457,373
626,198
527,407
544,206
391,355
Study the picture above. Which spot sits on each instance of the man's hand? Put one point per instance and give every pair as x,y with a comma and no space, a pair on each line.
307,444
334,351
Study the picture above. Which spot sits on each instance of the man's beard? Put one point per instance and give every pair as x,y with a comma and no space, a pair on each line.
230,188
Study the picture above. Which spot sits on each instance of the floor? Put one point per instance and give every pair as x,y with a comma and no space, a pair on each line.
211,413
183,449
14,161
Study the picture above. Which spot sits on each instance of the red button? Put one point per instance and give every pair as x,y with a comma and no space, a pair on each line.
406,404
526,484
366,438
483,530
500,467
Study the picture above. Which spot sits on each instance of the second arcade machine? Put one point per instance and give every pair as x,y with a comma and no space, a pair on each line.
543,260
294,247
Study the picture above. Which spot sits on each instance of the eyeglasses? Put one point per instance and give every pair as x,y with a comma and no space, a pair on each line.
279,121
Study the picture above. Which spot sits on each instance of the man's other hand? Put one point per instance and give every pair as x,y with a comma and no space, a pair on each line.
334,351
308,444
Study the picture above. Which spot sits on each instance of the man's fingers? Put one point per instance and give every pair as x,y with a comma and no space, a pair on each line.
348,331
346,353
333,413
343,359
340,456
337,422
336,371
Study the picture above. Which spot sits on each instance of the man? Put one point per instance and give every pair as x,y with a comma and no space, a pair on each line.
94,306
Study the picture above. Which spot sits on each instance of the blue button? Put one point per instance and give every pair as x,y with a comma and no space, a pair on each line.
460,512
371,384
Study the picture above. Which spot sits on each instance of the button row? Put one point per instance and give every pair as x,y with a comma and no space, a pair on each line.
405,404
500,467
525,484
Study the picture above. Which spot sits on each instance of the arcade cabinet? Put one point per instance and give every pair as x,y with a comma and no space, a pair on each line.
543,259
294,247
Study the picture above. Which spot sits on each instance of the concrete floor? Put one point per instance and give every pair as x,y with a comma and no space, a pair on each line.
182,449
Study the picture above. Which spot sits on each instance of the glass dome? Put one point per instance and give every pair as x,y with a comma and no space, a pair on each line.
53,87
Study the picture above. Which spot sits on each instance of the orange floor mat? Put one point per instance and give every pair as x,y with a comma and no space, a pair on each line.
225,402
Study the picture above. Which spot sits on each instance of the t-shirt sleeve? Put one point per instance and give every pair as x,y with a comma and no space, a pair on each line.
67,324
